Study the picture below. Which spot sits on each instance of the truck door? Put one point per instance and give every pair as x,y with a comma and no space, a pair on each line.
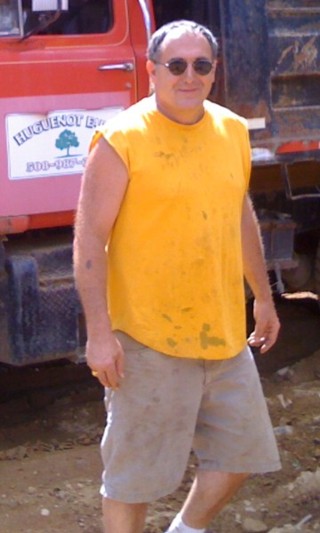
63,72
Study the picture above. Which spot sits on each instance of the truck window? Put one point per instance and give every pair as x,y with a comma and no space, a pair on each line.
9,17
82,17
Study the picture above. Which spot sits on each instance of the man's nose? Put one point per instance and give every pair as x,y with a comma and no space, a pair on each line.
189,73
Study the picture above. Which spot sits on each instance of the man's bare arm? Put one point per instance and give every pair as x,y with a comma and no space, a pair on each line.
103,187
267,324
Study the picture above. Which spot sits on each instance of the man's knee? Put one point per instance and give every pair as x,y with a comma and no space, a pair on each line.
216,485
124,517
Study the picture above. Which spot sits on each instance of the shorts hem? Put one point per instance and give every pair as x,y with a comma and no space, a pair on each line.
137,498
262,469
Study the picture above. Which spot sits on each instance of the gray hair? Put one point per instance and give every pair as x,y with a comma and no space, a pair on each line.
189,26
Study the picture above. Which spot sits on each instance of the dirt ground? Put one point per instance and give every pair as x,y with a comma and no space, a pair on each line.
49,449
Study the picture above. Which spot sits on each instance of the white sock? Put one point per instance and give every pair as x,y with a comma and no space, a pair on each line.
178,526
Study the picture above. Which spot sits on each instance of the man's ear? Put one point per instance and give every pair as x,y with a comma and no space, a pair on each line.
151,68
214,69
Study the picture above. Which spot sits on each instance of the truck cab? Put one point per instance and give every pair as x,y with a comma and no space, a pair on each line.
66,67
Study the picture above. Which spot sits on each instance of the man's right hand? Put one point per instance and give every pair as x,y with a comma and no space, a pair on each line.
106,360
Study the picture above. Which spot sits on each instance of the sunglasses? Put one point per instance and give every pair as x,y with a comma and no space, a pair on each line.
178,66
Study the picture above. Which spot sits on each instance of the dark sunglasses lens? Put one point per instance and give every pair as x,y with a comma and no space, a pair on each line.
177,66
202,66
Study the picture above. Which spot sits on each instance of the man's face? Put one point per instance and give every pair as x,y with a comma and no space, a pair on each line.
181,97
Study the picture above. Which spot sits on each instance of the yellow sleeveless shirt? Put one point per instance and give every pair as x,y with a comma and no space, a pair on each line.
175,273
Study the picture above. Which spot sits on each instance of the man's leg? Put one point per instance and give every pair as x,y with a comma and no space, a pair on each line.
209,493
147,417
119,517
234,433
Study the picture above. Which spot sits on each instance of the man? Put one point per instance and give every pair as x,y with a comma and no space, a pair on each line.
165,188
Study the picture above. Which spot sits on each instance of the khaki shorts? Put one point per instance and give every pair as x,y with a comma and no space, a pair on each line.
167,406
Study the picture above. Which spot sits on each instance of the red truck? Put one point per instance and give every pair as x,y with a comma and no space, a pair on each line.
66,66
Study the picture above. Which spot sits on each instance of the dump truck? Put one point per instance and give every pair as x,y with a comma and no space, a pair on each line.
68,66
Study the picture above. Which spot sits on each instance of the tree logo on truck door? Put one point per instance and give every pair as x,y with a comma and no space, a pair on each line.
66,140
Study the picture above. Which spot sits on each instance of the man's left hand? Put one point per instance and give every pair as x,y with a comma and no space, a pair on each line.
267,326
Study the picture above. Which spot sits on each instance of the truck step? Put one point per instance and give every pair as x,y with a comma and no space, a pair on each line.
42,307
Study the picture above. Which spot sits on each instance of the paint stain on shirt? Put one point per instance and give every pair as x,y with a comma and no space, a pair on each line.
207,340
